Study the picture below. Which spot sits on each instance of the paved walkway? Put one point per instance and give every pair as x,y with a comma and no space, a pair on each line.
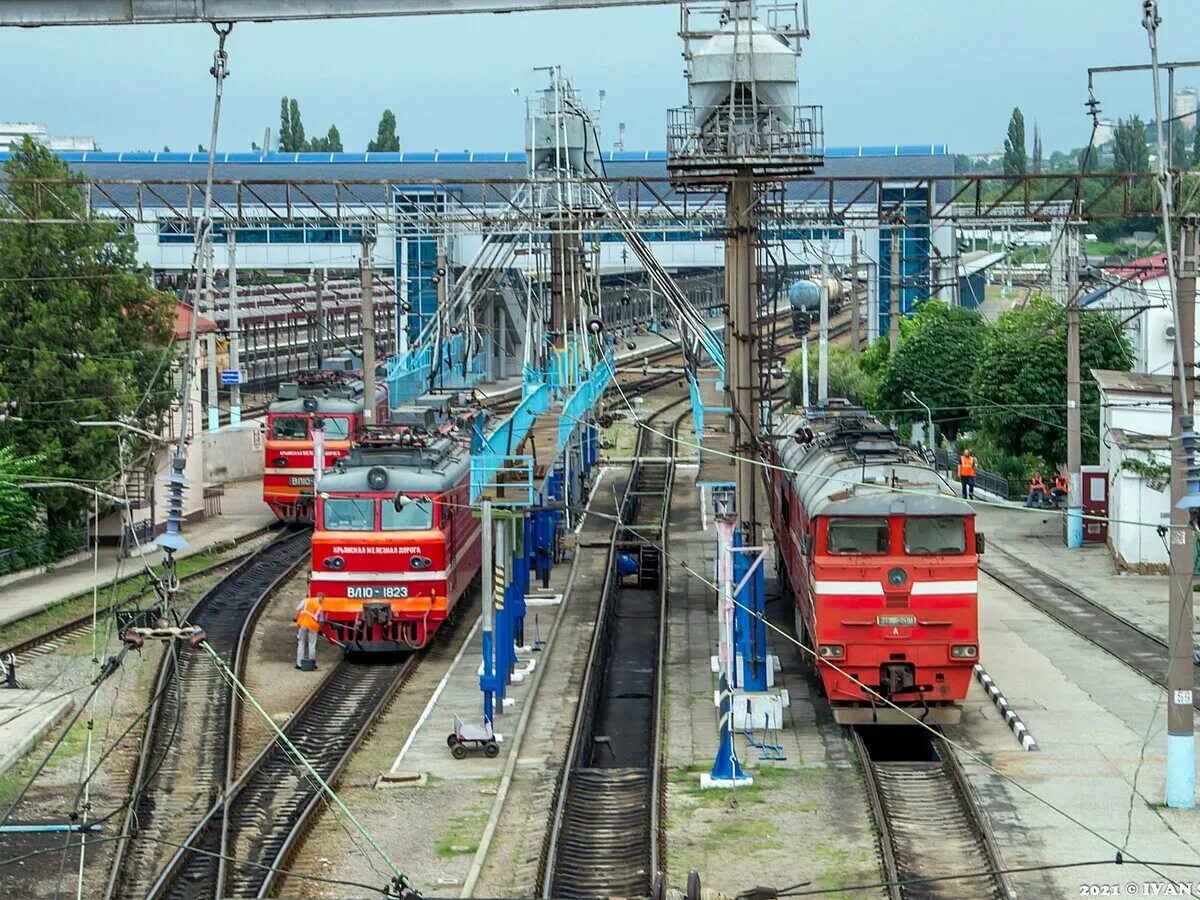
1036,536
242,512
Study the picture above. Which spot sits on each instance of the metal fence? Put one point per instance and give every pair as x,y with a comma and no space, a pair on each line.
988,481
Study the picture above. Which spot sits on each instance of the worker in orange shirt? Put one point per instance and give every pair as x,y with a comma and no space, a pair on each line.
1060,487
308,623
1037,491
966,474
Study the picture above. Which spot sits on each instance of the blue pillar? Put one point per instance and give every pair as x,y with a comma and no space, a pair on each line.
726,770
1074,527
749,628
520,581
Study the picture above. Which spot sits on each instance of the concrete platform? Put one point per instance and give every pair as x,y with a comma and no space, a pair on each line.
805,817
1035,536
25,718
1101,732
242,513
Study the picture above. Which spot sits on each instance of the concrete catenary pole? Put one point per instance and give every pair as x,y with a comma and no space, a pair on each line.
855,337
1074,426
894,292
235,354
210,343
368,335
823,337
1181,734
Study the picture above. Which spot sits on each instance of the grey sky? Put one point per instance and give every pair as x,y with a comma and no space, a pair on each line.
886,71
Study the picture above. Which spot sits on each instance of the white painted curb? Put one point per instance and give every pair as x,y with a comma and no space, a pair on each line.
1011,718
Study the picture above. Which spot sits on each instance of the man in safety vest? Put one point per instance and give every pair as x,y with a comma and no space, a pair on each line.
308,623
1060,487
1037,491
966,474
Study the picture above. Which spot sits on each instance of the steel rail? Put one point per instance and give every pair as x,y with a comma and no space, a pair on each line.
927,816
223,611
51,639
1137,648
578,859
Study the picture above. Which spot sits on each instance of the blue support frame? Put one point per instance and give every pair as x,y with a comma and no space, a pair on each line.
749,625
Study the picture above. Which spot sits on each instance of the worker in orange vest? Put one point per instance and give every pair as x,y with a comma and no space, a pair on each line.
1060,487
1037,490
966,474
308,623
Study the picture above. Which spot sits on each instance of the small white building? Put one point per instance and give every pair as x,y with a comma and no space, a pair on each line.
1135,428
1140,296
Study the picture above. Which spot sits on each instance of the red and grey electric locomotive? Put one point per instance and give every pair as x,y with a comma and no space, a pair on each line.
395,544
882,561
336,399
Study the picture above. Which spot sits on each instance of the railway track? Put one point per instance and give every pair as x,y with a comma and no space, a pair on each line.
931,829
605,837
186,749
1139,650
264,814
52,639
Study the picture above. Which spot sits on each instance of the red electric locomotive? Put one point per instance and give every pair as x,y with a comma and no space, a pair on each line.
882,561
395,544
336,398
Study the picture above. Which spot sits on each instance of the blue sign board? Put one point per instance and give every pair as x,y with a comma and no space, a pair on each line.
231,376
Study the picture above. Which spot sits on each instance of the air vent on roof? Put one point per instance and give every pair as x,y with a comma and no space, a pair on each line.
875,445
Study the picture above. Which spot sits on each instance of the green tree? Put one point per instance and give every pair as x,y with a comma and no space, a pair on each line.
1014,145
1130,153
1196,145
385,140
284,142
1019,392
297,127
938,353
331,143
847,378
1179,147
19,509
88,336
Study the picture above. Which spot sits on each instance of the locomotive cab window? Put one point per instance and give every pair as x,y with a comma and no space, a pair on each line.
349,514
857,535
337,428
932,535
289,428
415,515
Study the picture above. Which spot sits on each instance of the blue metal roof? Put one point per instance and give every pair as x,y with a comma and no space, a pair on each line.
511,156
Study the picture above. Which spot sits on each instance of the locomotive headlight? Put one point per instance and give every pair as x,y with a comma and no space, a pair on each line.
420,562
964,651
279,461
897,577
831,651
334,562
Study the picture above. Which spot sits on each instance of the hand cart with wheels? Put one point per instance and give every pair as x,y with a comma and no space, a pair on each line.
466,737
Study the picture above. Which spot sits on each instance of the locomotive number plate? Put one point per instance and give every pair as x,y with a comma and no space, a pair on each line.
300,481
893,621
377,592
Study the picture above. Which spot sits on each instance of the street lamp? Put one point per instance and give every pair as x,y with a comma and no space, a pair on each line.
928,417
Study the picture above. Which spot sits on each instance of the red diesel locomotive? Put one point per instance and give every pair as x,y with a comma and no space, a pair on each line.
334,397
882,562
395,544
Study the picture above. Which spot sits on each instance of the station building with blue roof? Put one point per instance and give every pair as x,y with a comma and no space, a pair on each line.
392,180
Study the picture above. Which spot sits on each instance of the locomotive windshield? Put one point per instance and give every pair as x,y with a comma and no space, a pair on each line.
858,535
934,534
337,428
289,428
349,514
415,515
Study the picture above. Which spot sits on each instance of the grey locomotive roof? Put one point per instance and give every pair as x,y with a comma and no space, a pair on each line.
324,405
413,470
850,465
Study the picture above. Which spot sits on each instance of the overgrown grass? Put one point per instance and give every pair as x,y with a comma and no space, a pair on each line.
462,836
